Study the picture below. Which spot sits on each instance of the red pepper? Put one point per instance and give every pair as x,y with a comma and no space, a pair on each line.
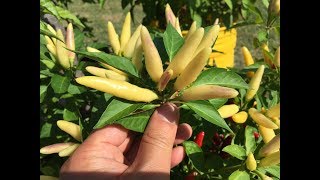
256,135
199,138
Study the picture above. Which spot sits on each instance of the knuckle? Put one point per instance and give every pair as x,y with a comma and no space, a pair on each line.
158,139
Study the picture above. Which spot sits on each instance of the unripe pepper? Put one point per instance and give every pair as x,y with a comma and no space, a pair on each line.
274,111
240,117
254,83
100,72
185,53
118,88
277,57
274,7
177,26
266,133
261,119
137,55
193,69
199,138
265,49
229,110
152,58
272,146
70,128
55,148
248,60
69,150
170,17
90,49
70,43
251,162
270,160
192,29
113,38
204,92
209,38
62,52
129,49
126,32
165,78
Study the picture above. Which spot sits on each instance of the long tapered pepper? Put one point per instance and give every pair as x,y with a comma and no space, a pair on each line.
113,38
152,58
137,55
274,111
209,38
52,49
204,92
192,29
265,49
126,32
229,110
70,43
272,146
184,55
70,128
165,78
129,49
177,26
193,69
69,150
270,160
53,31
266,133
100,72
118,88
248,60
90,49
254,83
55,148
62,52
199,138
170,17
261,119
251,162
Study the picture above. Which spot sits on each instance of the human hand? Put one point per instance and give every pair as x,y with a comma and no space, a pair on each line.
114,152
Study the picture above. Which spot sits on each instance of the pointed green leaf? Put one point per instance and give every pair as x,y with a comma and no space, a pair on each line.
222,77
60,83
250,141
45,130
136,122
43,92
274,170
49,6
195,154
218,102
74,89
239,175
70,113
116,109
229,3
235,151
65,14
118,62
172,41
208,112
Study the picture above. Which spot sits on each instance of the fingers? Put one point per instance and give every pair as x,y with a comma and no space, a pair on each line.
178,155
155,148
184,132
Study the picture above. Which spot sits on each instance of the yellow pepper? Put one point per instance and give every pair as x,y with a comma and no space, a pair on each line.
192,29
128,50
266,133
265,49
270,160
274,111
165,78
137,55
248,60
126,32
70,128
55,148
229,110
254,83
177,26
261,119
251,162
240,117
272,146
62,52
170,17
274,7
113,38
70,43
69,150
100,72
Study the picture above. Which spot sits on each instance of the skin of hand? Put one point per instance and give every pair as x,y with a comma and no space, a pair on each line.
114,152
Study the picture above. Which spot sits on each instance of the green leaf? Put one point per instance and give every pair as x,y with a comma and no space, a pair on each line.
136,122
273,170
265,3
70,113
45,130
43,92
218,102
78,38
235,151
158,42
229,3
195,154
274,100
118,62
147,107
49,6
250,141
208,112
222,77
254,10
101,2
74,89
99,106
239,175
262,35
65,14
172,41
48,63
60,83
196,17
116,109
48,33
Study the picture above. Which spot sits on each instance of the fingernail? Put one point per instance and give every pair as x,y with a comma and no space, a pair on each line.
169,112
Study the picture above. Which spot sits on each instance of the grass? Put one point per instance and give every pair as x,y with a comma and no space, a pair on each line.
97,18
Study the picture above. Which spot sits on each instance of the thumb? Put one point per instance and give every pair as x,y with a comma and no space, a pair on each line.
154,154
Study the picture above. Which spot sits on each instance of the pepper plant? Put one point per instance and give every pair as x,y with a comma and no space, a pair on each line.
235,120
